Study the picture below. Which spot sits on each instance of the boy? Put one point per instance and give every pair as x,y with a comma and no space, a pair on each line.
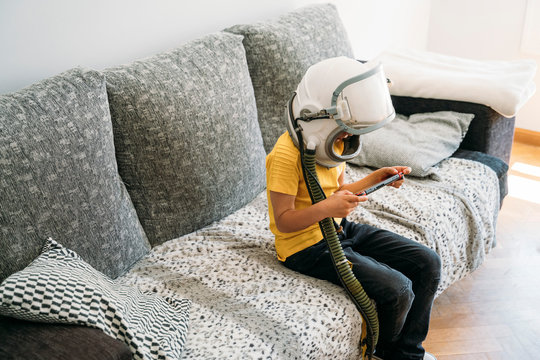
338,100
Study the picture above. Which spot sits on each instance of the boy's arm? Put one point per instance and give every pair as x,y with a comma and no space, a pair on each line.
288,219
374,178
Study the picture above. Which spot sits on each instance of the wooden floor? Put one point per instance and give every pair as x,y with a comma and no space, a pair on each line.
494,313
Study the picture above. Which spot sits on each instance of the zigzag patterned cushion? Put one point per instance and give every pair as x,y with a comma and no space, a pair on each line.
59,287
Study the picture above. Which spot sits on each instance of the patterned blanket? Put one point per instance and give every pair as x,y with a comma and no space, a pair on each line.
246,305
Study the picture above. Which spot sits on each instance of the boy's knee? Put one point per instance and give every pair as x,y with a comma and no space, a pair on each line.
402,307
433,264
431,270
406,296
400,295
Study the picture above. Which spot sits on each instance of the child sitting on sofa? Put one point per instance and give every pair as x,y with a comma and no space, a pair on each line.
337,100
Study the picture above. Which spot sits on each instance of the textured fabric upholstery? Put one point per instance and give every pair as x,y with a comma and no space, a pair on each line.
489,132
488,140
420,141
23,340
496,164
59,176
187,139
280,51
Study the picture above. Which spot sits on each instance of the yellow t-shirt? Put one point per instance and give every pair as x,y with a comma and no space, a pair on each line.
284,175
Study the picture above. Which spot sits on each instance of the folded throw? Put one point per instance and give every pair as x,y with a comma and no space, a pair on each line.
505,86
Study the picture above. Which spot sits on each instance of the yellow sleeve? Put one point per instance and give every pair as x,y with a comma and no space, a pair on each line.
283,170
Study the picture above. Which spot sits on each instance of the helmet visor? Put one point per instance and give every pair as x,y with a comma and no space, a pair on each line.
363,102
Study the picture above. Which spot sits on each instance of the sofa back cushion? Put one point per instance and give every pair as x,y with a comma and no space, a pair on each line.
187,138
280,51
59,176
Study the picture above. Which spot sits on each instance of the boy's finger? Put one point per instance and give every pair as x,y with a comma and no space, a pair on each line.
360,198
405,170
351,198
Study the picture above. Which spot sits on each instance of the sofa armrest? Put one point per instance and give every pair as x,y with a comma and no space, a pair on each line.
489,132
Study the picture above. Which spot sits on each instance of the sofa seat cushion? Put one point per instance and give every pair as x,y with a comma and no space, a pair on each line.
246,304
59,176
23,340
280,51
187,139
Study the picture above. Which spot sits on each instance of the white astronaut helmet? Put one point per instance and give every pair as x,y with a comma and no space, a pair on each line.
339,95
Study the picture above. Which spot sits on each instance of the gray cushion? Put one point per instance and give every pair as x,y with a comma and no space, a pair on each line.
280,51
187,138
59,176
420,141
60,287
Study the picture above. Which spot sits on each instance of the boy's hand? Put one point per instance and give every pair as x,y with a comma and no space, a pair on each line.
386,172
288,219
341,203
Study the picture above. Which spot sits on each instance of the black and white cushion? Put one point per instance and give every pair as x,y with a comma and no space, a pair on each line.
59,287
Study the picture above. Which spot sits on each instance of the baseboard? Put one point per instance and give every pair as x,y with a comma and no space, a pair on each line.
527,136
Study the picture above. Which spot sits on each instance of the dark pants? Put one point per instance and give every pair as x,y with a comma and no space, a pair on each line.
401,275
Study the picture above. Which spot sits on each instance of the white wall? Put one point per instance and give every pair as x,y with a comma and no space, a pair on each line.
41,38
374,26
484,29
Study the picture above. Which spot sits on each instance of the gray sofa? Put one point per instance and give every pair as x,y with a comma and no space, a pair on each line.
148,179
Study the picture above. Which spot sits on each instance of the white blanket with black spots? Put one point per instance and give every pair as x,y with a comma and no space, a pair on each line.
246,305
455,216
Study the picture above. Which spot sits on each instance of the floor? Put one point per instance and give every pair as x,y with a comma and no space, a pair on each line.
495,312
